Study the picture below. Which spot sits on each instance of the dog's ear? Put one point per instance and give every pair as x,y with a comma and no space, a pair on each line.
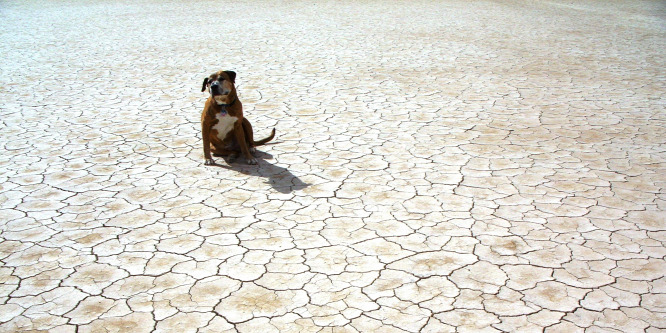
203,87
232,76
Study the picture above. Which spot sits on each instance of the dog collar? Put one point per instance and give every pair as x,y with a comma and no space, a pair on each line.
227,105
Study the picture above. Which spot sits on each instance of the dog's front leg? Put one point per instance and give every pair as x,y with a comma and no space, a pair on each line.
240,137
205,132
249,136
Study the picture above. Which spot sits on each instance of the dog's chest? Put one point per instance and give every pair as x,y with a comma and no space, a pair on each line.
225,123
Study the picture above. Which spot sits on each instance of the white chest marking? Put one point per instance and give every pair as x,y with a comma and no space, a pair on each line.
225,123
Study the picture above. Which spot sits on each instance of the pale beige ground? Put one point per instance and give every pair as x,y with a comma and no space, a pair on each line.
439,166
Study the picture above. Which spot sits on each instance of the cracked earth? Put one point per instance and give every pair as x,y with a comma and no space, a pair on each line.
438,167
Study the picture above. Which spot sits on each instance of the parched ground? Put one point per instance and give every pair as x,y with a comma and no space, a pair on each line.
439,166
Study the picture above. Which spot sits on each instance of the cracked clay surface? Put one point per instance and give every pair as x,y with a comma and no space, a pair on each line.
439,166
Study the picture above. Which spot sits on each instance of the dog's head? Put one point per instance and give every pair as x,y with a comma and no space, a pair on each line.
221,87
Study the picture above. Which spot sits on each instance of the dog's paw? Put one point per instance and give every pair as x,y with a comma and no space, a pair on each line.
253,151
209,161
251,161
232,158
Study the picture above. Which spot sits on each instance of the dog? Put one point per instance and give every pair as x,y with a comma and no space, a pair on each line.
224,130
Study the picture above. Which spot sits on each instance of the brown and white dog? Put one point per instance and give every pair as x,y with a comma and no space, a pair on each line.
224,129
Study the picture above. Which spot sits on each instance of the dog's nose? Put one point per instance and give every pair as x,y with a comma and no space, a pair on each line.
215,89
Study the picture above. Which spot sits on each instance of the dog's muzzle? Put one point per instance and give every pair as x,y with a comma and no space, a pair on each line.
215,89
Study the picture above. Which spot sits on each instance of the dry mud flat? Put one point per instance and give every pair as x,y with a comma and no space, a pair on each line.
441,166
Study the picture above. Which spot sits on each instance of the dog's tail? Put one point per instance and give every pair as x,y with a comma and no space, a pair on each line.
263,141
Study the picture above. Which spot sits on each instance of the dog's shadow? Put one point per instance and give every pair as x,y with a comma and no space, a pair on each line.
281,179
